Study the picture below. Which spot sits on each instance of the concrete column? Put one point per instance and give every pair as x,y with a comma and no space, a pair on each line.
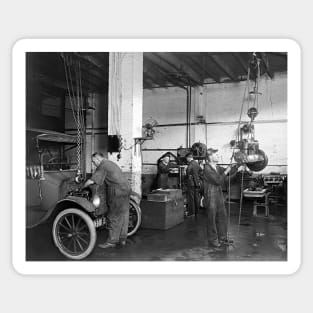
125,112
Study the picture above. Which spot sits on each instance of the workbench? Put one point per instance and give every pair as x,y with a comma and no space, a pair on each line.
257,195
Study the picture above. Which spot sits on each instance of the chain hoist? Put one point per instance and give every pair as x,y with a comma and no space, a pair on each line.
76,107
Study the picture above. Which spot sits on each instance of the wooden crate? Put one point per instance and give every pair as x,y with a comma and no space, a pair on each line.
162,214
165,195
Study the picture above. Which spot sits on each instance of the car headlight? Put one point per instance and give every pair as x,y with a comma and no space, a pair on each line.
96,201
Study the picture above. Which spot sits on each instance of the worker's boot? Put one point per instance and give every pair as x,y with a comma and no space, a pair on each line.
214,244
106,245
189,214
122,242
226,241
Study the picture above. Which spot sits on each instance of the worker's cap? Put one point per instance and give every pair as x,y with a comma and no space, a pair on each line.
165,156
211,151
189,154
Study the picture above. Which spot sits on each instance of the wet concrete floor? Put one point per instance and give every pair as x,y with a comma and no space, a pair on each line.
255,239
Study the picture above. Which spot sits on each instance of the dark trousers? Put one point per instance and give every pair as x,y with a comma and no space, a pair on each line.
118,227
216,215
193,200
118,213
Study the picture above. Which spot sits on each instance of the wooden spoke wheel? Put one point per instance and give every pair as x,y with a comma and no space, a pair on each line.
74,233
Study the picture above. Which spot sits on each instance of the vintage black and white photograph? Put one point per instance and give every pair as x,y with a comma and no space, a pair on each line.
156,156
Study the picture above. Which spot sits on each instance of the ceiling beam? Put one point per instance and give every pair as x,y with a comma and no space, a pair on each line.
202,67
41,78
88,77
280,54
169,79
146,75
244,65
57,71
101,58
224,66
192,78
93,60
170,69
92,77
186,58
189,66
163,72
90,74
147,84
104,73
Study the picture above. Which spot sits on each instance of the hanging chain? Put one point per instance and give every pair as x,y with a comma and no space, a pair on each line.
75,105
78,133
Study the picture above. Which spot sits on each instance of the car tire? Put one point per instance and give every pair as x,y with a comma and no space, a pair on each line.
74,233
134,218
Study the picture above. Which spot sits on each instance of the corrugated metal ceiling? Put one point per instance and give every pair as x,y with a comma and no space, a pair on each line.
161,69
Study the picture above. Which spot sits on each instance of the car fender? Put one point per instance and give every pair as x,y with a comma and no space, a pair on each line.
82,202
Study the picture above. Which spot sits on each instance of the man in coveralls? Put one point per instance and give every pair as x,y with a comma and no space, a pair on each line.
193,185
115,188
164,168
214,177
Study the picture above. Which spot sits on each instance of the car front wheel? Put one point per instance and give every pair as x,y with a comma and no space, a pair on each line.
74,233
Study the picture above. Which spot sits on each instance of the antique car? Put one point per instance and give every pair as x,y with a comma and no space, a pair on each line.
54,195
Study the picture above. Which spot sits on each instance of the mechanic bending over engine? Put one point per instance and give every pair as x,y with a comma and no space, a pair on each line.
214,177
110,178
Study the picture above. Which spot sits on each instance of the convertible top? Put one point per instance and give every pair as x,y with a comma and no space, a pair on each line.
51,136
62,138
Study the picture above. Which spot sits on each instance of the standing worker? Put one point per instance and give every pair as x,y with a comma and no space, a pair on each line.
110,178
214,177
193,185
164,167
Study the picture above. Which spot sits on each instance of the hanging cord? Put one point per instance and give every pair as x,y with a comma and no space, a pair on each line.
269,94
241,199
243,102
81,97
237,139
69,89
228,214
256,101
257,84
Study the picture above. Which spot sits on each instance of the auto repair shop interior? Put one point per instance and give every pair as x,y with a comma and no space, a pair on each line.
136,108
